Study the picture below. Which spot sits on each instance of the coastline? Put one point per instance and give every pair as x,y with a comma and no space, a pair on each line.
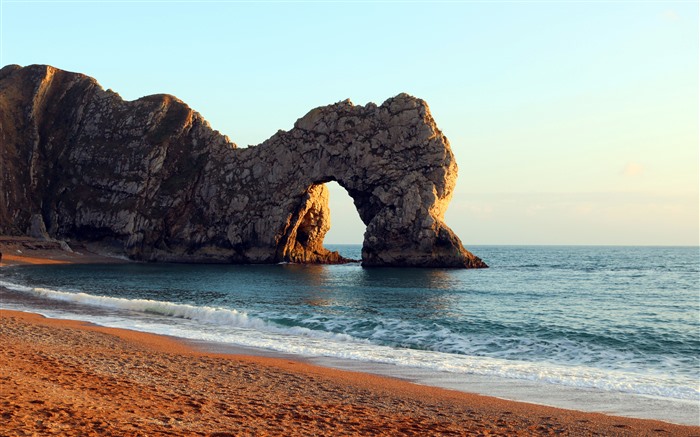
26,250
70,377
278,395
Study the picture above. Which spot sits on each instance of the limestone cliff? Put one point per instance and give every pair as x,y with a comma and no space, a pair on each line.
152,179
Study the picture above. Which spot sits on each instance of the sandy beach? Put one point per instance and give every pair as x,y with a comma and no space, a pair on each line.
70,378
60,377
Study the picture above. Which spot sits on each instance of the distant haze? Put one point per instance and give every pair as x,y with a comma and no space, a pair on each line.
572,122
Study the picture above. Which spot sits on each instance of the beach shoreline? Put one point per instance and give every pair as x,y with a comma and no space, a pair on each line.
69,378
55,374
26,250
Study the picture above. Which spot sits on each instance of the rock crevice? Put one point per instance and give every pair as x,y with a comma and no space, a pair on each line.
152,177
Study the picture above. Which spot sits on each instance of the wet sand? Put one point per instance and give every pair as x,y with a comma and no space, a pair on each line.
61,377
70,378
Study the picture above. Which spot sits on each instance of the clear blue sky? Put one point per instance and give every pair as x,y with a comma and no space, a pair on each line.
572,122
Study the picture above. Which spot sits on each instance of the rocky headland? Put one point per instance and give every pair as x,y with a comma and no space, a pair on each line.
150,179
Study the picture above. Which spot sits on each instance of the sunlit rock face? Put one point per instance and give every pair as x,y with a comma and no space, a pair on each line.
152,179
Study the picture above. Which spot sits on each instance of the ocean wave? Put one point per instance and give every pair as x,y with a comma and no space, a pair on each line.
204,314
504,341
231,326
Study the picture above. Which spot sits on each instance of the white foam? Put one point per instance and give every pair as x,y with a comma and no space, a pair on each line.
204,314
237,327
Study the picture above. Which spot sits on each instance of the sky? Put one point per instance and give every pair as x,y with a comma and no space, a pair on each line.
572,122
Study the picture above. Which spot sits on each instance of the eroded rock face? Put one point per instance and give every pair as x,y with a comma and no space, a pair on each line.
152,178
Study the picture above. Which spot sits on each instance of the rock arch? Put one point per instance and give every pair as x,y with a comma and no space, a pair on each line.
152,179
394,163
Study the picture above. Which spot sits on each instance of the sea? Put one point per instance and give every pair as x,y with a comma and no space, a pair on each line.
607,329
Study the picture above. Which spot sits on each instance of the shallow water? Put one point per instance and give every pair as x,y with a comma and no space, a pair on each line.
617,327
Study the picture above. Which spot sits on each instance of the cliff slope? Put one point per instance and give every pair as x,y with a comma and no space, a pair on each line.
154,181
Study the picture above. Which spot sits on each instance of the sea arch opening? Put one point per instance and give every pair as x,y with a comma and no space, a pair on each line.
347,229
305,238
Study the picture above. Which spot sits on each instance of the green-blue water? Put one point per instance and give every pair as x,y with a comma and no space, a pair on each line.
611,319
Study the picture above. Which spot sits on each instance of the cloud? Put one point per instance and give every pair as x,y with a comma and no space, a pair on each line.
483,211
670,15
633,169
615,217
585,208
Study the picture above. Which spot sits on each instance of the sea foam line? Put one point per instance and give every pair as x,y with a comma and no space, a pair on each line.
289,340
204,314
